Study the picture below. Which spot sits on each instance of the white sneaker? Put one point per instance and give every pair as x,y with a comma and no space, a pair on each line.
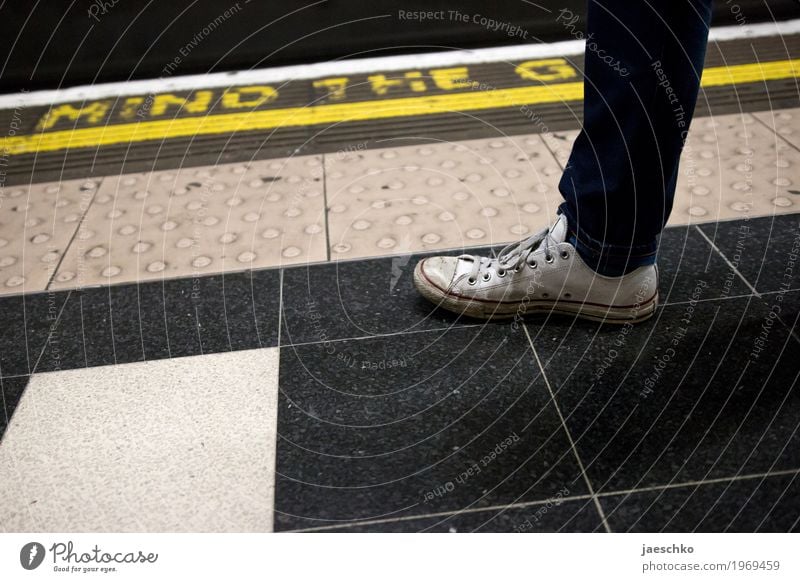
541,274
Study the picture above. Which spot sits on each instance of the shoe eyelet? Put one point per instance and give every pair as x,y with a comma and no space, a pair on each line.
545,295
501,273
471,280
548,259
532,264
486,277
564,255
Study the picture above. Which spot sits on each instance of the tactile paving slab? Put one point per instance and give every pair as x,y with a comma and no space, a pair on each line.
198,221
732,167
37,223
396,200
440,195
784,122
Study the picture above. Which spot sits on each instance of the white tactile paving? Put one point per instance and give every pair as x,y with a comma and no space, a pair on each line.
178,445
198,221
560,144
37,223
232,217
439,195
732,167
784,122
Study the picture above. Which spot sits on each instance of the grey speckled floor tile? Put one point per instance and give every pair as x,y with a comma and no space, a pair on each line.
761,504
416,424
552,515
702,391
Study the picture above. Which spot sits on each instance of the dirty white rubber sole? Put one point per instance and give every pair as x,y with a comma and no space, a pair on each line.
485,309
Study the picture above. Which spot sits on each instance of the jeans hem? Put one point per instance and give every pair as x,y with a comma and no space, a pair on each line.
608,259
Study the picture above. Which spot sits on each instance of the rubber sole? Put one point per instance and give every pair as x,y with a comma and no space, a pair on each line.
500,310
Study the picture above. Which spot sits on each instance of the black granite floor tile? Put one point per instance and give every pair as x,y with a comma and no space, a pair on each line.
155,320
377,296
356,299
771,504
415,424
552,516
25,323
684,259
786,304
701,391
766,251
11,390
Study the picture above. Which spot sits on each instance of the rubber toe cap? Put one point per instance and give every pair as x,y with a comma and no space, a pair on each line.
439,270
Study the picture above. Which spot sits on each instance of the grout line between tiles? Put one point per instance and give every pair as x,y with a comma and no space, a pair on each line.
383,335
325,209
440,514
569,435
12,376
547,147
727,262
74,234
53,326
772,129
714,481
536,503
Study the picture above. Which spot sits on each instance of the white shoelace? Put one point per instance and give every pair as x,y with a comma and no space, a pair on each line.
511,258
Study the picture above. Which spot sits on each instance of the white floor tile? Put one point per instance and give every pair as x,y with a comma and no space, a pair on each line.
186,444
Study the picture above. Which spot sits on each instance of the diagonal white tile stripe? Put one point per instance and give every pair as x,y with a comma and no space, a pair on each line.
186,444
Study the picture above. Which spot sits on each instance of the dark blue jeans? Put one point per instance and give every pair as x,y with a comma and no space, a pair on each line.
644,60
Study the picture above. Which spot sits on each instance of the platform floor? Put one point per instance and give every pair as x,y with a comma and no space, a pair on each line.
237,345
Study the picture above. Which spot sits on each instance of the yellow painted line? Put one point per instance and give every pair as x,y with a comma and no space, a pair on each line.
227,123
751,73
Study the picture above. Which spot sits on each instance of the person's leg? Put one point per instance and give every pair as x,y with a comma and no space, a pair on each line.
643,64
642,73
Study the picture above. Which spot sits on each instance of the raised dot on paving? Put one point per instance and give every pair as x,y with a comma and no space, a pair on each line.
291,252
444,217
782,201
96,252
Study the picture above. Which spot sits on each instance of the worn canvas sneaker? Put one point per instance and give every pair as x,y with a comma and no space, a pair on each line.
541,274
